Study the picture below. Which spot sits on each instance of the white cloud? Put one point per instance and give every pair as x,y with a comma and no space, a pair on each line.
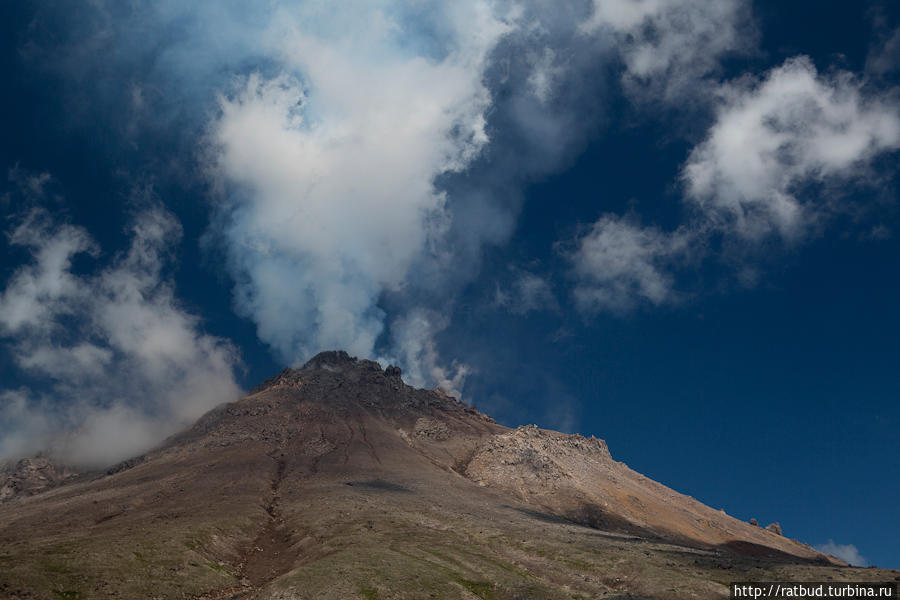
416,346
333,162
773,139
545,75
845,552
618,264
334,156
37,292
334,168
772,136
526,293
126,365
667,45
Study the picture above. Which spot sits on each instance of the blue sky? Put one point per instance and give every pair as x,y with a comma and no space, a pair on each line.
668,223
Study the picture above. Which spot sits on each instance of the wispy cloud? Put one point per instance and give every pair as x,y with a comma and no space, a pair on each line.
118,363
882,57
524,293
845,552
667,46
414,333
884,49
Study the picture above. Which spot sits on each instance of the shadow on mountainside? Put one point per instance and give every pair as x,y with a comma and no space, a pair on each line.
617,528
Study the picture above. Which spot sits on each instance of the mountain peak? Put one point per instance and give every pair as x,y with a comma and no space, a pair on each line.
332,361
330,358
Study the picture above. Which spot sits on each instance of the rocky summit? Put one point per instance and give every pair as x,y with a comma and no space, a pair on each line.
338,480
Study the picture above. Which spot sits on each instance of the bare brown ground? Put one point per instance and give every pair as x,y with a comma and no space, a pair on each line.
271,553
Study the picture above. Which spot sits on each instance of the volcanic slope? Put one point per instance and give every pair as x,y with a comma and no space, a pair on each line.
337,480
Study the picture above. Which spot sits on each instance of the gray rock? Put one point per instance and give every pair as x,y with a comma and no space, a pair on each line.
32,476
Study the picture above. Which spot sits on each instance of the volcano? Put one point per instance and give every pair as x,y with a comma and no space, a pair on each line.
338,480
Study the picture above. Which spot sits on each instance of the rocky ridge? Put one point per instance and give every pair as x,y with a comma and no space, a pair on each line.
30,476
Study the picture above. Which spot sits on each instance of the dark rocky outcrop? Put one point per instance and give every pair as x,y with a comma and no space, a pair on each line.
30,476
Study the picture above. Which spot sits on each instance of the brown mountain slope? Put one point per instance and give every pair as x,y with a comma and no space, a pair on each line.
339,481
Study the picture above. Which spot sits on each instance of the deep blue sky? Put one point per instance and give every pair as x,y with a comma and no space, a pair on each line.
760,376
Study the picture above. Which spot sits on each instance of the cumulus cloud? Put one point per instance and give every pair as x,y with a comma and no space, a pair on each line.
119,364
619,263
794,127
845,552
778,160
